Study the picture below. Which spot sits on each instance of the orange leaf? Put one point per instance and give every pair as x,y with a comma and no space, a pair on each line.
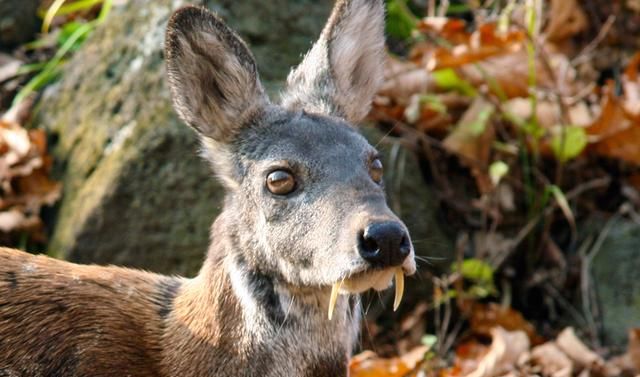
368,364
485,317
617,130
38,141
566,19
468,356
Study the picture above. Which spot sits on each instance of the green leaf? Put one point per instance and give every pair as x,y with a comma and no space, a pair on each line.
67,31
50,14
475,269
458,9
448,295
480,291
497,170
429,340
104,11
563,203
53,66
448,79
477,127
575,140
30,68
533,128
400,21
434,103
77,6
505,17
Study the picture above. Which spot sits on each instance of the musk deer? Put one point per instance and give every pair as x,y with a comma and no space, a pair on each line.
304,229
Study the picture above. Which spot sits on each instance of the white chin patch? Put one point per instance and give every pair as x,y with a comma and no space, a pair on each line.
378,280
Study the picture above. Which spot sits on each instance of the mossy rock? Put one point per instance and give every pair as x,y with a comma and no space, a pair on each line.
615,275
19,22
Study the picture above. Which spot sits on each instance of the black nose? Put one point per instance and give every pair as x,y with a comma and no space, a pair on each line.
384,244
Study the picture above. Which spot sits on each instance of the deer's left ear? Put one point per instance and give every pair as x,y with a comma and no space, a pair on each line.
344,69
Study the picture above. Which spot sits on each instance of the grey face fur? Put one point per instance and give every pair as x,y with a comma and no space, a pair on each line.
309,237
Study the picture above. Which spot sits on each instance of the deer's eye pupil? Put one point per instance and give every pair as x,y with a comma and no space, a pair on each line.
280,182
375,170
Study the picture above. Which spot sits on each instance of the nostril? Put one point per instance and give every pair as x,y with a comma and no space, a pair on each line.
405,246
368,246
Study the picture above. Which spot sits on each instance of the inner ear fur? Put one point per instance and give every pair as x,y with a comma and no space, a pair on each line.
341,73
212,74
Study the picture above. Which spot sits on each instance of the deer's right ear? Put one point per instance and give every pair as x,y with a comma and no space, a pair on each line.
212,75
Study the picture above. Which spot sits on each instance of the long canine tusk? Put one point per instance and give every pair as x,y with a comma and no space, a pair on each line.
333,299
399,288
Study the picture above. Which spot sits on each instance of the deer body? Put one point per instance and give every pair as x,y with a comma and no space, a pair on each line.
305,219
64,319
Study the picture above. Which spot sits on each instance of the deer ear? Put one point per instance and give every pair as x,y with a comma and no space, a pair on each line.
212,75
344,69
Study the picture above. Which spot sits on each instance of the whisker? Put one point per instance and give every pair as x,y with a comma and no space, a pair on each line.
381,300
368,330
286,315
428,258
368,306
384,137
423,260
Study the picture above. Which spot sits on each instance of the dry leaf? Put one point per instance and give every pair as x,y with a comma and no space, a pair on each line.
368,364
506,348
577,351
617,128
633,349
630,361
25,186
11,220
468,356
9,67
510,72
617,131
403,79
552,360
38,189
485,317
471,140
548,113
15,220
467,48
17,141
566,19
473,135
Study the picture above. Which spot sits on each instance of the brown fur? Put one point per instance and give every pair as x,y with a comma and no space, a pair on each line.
62,319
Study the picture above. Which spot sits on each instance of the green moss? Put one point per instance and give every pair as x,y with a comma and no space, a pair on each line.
615,271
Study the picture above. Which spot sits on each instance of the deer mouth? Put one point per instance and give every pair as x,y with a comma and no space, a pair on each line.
362,281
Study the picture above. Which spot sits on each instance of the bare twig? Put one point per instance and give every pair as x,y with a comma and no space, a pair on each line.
586,52
524,232
586,287
444,7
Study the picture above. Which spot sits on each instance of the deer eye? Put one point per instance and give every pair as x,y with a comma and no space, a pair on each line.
280,182
375,170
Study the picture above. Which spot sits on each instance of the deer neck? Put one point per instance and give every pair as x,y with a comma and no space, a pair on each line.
233,309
